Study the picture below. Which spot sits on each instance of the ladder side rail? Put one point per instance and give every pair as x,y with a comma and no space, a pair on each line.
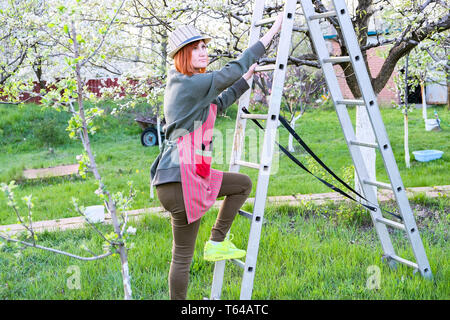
369,96
238,141
378,127
244,100
268,148
345,121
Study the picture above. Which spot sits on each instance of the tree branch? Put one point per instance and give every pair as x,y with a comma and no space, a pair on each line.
58,251
94,53
404,47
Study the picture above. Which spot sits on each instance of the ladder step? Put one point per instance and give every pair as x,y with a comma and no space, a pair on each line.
245,214
263,22
300,29
379,184
323,15
267,67
404,261
363,144
254,116
239,263
247,164
337,59
351,102
391,223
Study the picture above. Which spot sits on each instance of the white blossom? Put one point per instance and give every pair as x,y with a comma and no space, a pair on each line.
131,230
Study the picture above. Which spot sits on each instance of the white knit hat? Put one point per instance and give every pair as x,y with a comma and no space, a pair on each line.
182,36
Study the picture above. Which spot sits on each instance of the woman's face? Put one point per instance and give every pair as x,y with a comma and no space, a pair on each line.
199,58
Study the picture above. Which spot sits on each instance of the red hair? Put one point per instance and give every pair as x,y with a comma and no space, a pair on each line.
183,59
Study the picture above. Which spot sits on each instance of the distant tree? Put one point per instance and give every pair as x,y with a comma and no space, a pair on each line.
302,88
79,38
427,65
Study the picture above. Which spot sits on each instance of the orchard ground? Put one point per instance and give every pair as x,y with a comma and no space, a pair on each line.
308,251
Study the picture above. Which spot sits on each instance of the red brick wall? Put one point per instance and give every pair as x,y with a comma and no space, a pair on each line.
387,95
94,86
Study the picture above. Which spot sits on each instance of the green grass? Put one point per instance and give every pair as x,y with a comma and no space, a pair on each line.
302,256
121,157
307,252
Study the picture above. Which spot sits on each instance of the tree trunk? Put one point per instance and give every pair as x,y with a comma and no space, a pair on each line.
110,204
291,138
125,271
405,112
407,162
164,51
424,101
365,133
158,128
87,146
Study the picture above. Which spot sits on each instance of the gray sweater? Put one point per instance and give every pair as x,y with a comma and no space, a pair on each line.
186,106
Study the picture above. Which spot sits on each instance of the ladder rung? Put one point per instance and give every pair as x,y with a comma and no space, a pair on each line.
404,261
336,59
391,223
245,214
379,184
247,164
363,144
267,67
263,22
254,116
300,29
239,263
352,102
323,15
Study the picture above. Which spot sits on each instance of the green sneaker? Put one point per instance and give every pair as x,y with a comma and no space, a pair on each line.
222,251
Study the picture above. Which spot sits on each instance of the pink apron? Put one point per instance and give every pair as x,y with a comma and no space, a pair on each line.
200,183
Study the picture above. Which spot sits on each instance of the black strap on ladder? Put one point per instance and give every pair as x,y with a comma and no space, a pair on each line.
322,164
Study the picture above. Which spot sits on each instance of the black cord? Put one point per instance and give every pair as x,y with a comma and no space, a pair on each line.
283,121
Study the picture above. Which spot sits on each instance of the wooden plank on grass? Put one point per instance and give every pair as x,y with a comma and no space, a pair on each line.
57,171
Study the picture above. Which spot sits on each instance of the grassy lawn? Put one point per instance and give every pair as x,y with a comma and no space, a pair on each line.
122,158
303,255
306,252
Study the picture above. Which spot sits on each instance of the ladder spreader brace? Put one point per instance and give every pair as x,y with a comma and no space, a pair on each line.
368,100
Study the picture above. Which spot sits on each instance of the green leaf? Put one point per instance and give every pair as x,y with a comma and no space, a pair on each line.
66,28
80,38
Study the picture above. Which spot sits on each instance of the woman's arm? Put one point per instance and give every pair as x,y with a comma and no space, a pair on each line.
219,80
230,95
234,70
250,72
276,27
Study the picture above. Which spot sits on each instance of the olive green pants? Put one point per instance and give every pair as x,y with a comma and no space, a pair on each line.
235,187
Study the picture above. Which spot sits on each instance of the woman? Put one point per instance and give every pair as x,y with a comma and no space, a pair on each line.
185,183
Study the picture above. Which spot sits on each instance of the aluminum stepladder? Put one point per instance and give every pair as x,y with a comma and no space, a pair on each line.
368,100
